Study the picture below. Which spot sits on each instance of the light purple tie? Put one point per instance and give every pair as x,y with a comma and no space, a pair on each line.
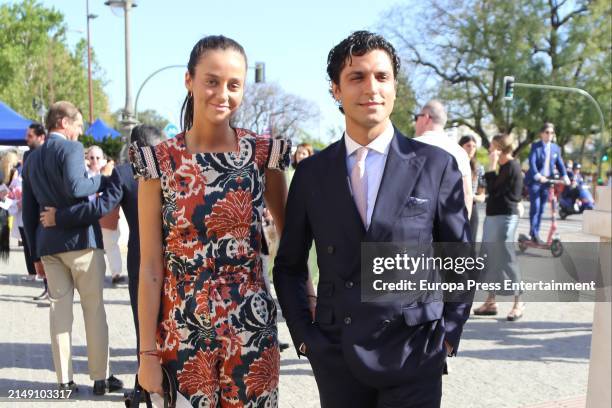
359,184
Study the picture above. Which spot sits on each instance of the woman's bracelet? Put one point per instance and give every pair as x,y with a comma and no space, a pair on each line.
152,352
311,296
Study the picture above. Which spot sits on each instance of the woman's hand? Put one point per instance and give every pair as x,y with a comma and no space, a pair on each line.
493,159
150,374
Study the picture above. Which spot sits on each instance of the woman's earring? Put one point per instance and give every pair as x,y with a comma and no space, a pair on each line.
189,95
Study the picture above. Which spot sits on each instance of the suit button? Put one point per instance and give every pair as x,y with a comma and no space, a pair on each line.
347,320
349,284
330,249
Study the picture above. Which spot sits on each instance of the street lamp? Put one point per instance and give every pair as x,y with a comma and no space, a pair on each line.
89,85
127,119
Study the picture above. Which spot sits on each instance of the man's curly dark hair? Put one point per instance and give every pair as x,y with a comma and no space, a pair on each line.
358,43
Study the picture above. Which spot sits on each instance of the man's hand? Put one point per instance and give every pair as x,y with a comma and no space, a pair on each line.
40,269
543,179
449,348
47,217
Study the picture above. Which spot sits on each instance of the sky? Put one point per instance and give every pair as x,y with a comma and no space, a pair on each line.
292,38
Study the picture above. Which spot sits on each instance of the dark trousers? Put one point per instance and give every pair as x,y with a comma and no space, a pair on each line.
338,388
474,220
538,195
26,253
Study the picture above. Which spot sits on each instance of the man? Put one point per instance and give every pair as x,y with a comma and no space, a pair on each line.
54,175
34,138
429,128
369,354
97,164
122,190
543,158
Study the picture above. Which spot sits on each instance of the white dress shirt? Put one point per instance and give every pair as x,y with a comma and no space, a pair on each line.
378,150
441,140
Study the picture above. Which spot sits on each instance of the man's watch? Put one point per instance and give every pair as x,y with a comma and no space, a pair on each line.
302,348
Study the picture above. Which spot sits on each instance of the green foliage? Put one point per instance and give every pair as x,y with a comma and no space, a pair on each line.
110,146
467,48
35,61
405,106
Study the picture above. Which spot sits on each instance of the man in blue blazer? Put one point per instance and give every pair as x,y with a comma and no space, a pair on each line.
122,190
373,185
54,175
543,158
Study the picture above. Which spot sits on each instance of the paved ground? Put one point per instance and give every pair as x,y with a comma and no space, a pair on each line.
543,357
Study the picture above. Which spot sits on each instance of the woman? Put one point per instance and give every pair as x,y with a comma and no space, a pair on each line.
302,151
9,197
504,189
201,199
469,144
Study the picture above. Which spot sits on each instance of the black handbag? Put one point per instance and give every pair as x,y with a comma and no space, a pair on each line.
168,385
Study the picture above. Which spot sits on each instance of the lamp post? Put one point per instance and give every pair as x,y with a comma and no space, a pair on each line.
127,120
89,84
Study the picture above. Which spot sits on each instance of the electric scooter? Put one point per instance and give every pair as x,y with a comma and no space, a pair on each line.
553,242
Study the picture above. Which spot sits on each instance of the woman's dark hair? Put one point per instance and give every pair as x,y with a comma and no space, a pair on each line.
209,43
39,130
466,139
359,43
146,135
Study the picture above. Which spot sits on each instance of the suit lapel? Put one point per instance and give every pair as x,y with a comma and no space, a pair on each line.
399,178
343,206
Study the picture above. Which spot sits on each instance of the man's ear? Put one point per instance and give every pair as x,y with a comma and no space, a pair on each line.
65,122
335,90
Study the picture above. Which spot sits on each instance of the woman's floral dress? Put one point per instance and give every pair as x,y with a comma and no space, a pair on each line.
217,328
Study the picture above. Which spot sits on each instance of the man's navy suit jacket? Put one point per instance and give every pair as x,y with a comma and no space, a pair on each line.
382,343
537,160
55,176
122,190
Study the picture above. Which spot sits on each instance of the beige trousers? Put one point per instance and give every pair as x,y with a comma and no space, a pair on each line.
84,270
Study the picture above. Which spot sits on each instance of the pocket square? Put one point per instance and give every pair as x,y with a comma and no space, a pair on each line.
417,201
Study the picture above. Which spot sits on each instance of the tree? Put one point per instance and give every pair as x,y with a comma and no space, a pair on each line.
464,51
267,108
35,61
405,106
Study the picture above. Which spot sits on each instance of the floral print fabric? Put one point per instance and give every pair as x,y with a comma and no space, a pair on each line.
217,328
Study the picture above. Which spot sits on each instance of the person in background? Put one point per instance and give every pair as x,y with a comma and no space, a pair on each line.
8,205
55,175
429,128
110,222
468,142
544,156
504,187
34,138
302,151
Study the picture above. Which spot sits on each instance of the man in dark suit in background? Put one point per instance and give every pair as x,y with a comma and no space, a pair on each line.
34,138
373,185
543,158
54,175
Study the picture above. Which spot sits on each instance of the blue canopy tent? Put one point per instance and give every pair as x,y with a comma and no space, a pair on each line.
12,126
99,130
